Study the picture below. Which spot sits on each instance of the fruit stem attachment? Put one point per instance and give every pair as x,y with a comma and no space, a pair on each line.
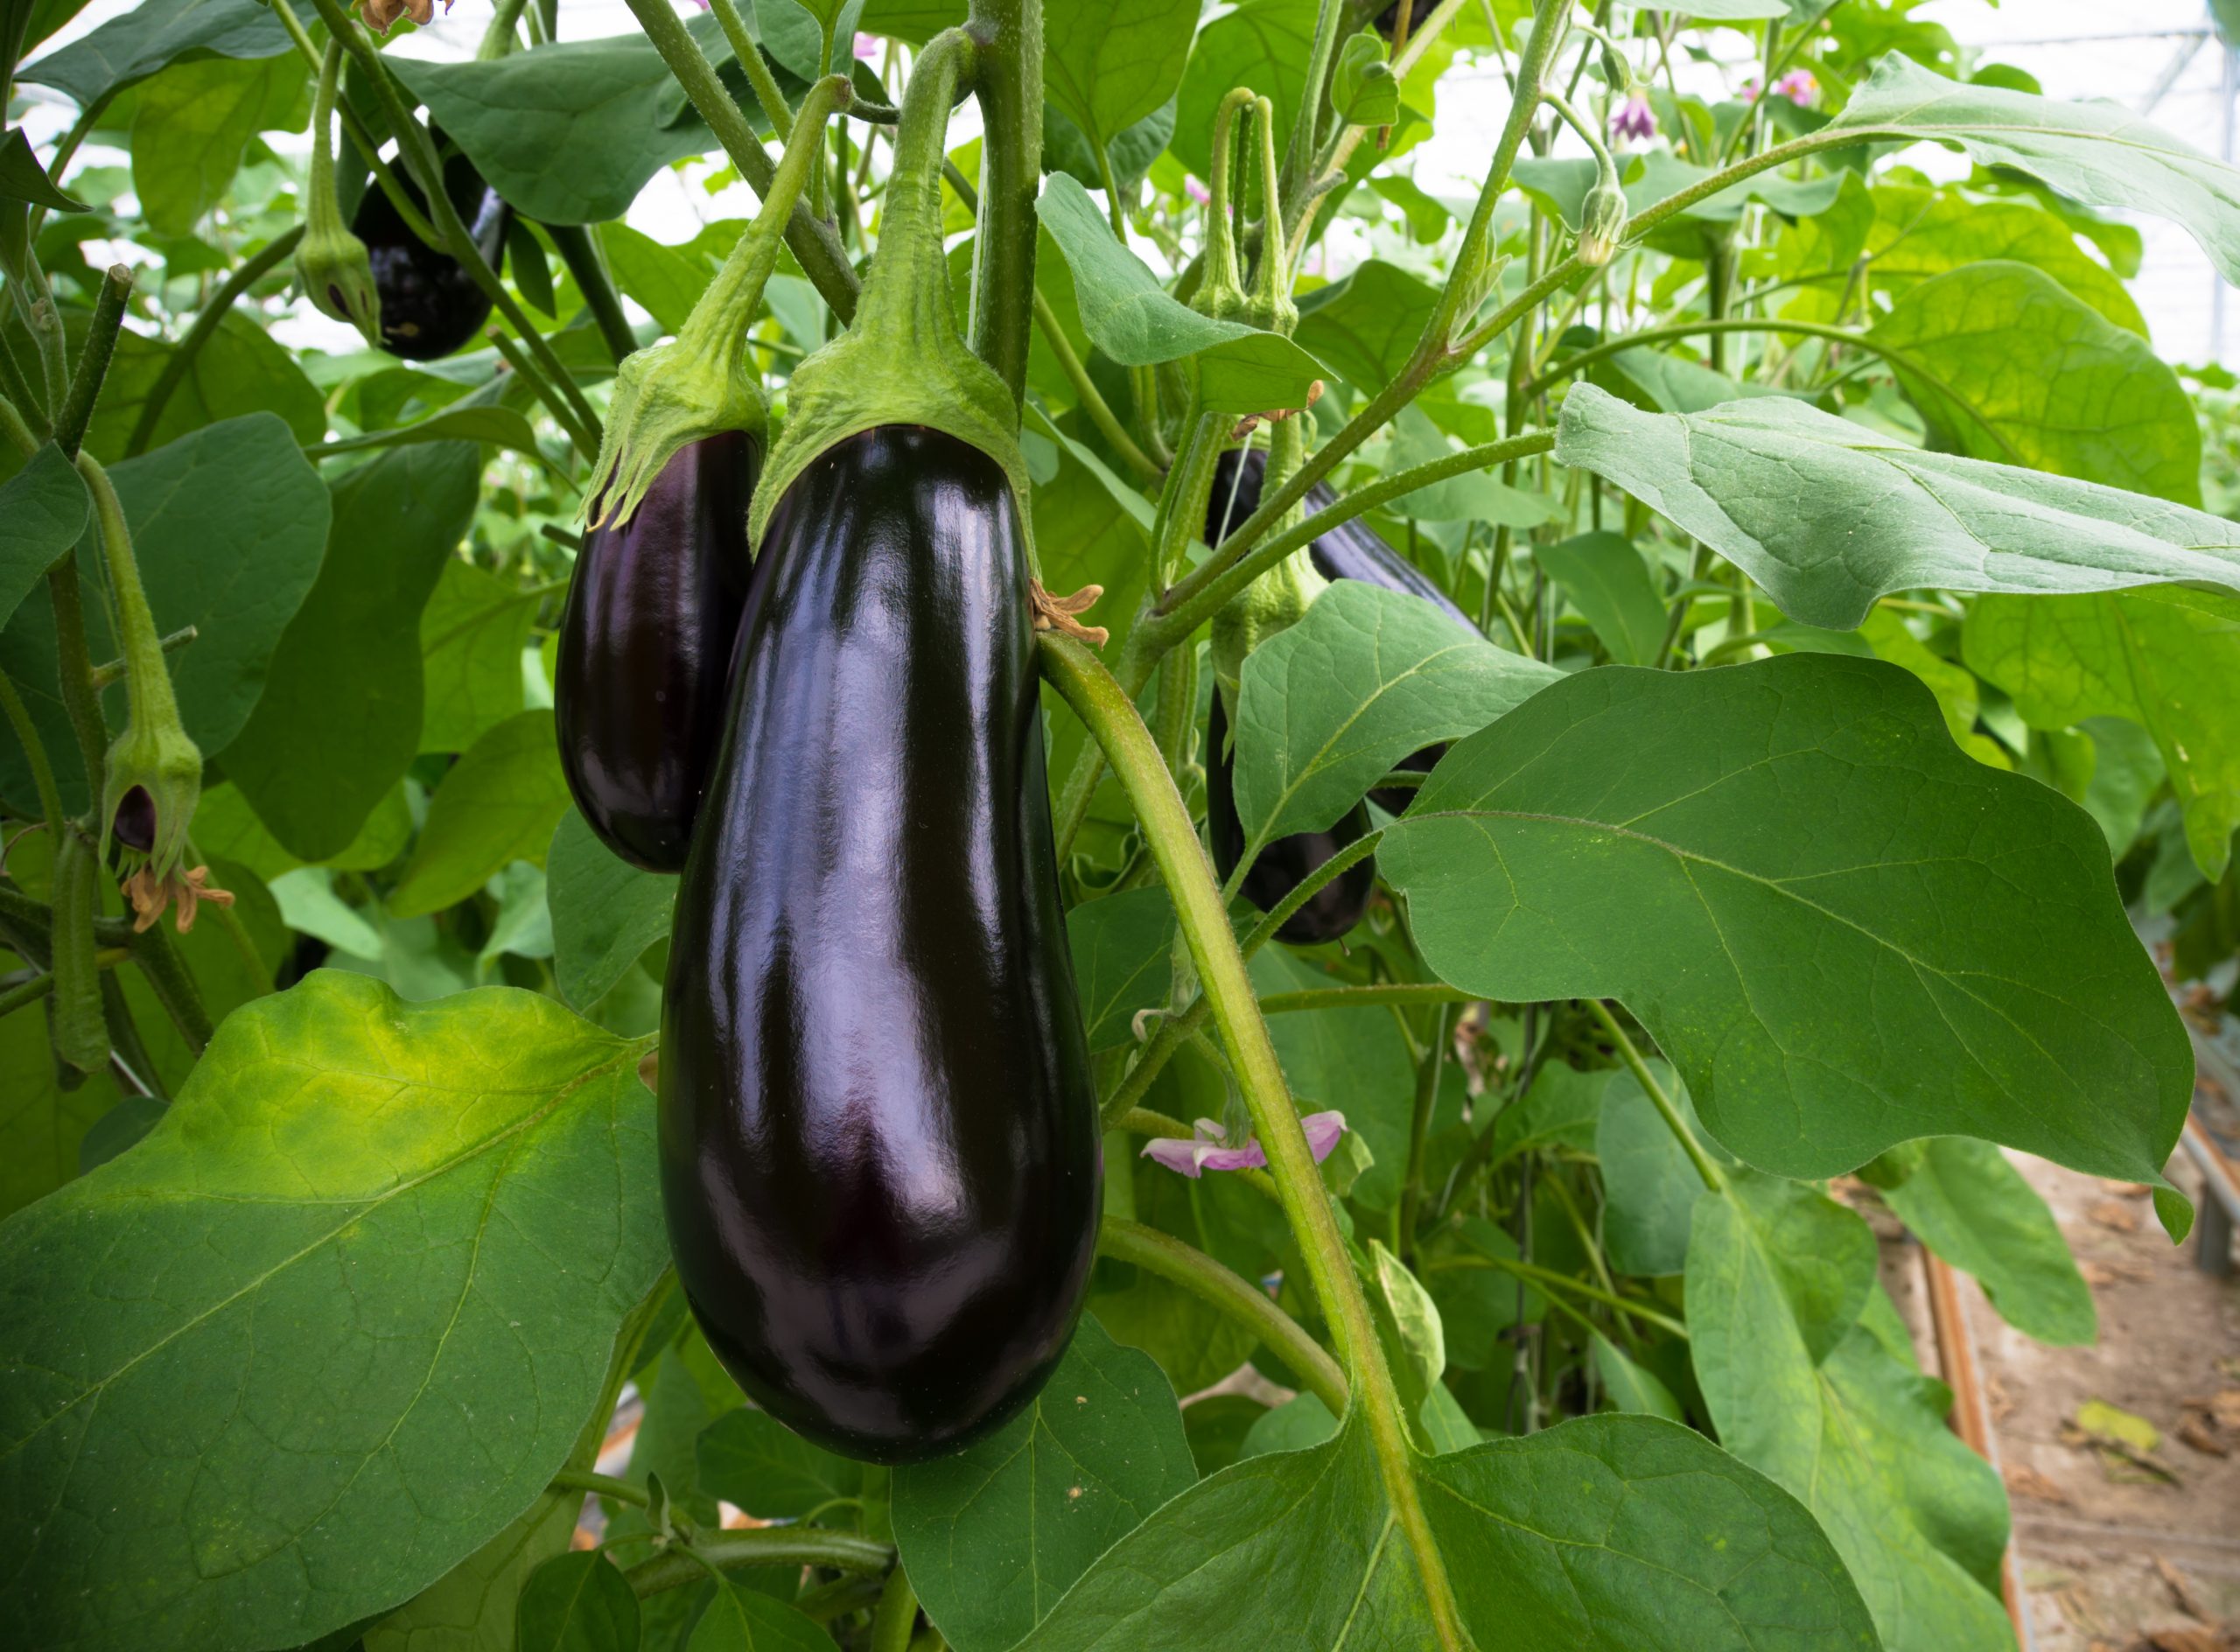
1111,715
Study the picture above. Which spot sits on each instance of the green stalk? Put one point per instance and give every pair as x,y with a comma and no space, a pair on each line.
275,252
1232,1297
1086,686
1706,1167
748,52
25,406
75,1021
1400,993
1307,124
1547,1278
577,250
897,1615
1007,58
1092,400
499,38
585,1479
767,1546
93,360
50,798
584,438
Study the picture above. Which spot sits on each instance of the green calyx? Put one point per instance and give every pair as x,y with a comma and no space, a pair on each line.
902,361
154,756
1220,293
330,264
1270,307
704,383
1602,224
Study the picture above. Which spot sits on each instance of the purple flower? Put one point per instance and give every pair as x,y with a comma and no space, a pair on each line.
1197,191
1207,1151
868,46
1634,120
1799,87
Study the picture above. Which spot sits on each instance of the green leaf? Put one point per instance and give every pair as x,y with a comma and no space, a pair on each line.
2167,658
127,50
667,280
376,1255
1107,63
1368,676
248,474
1137,323
993,1535
2025,373
1363,90
191,124
1772,486
22,178
1778,1275
1649,1181
500,802
1966,1202
1919,233
43,510
1194,1346
1608,1532
569,132
576,1602
1609,584
471,1607
1563,1109
752,1459
1367,325
742,1620
1682,840
2097,152
1630,1388
42,1125
606,914
1123,951
240,370
472,634
339,720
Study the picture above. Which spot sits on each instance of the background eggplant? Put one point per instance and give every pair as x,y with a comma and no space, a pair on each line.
878,1132
1335,907
429,305
1351,550
646,646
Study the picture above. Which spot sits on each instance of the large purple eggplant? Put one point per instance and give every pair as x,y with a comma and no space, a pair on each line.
429,305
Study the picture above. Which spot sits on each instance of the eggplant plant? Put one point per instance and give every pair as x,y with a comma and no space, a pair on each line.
1122,876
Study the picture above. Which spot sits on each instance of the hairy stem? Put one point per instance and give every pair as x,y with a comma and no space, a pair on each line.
1008,80
767,1546
93,360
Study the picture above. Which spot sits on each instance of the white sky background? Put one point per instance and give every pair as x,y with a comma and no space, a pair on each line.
2075,48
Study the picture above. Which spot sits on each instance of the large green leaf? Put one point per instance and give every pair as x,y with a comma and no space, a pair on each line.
753,1460
500,802
328,1328
472,634
191,124
1608,582
247,475
994,1534
2013,368
1829,515
1138,323
742,1620
1124,962
1683,841
1367,325
470,1608
2167,658
605,913
43,510
1368,676
569,131
576,1602
1964,1201
1608,1532
1107,63
1778,1275
339,720
127,50
241,369
2097,152
1919,233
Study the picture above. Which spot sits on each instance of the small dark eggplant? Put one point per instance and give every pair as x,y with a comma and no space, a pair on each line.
429,305
878,1133
1335,907
646,646
1351,550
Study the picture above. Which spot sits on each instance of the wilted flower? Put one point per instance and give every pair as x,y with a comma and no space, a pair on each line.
1634,120
1208,1149
379,14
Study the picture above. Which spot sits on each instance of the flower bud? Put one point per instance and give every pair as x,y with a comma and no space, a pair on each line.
337,276
154,782
1602,222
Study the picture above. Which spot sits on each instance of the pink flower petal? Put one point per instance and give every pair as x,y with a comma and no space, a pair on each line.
1176,1156
868,47
1322,1132
1247,1157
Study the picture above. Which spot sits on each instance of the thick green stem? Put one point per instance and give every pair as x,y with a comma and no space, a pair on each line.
573,242
897,1615
1231,1296
585,1479
1306,123
93,360
213,315
384,175
1706,1167
499,38
1008,80
767,1546
1098,700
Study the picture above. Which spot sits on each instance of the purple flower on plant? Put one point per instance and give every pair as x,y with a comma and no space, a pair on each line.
868,47
1634,120
1799,87
1197,191
1208,1149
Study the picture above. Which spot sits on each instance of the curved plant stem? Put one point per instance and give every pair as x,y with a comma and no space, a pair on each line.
1092,400
1384,992
586,440
604,1485
1007,36
275,252
823,258
1706,1167
759,78
1110,714
1230,1295
50,798
1539,1275
767,1546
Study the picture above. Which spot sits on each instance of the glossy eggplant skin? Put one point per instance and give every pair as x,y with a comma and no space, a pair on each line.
1350,550
429,305
1333,909
879,1146
646,641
